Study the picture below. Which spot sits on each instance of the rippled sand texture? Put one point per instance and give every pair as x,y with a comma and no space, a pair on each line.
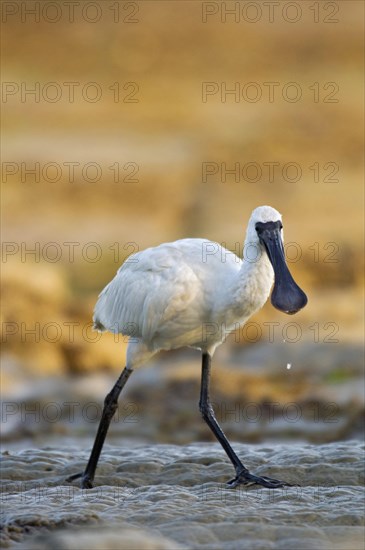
167,497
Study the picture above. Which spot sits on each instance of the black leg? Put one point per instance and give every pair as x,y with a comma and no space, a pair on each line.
242,474
110,406
208,414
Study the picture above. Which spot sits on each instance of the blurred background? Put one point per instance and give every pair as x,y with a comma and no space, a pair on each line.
127,124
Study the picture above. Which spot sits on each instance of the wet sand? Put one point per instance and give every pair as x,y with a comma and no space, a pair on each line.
169,496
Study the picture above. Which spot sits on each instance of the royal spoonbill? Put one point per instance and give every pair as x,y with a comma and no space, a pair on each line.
167,297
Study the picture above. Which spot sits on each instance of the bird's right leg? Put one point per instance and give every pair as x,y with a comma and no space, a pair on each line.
208,414
110,406
243,476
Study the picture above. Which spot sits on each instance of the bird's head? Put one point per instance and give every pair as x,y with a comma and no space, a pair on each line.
265,229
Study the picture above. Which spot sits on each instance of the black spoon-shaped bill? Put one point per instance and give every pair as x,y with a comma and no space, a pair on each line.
286,295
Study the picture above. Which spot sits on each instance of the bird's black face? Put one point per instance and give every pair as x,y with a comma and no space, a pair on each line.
286,295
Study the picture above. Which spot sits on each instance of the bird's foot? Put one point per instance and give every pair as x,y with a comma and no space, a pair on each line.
86,481
247,479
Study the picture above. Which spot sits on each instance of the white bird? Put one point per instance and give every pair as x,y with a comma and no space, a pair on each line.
192,292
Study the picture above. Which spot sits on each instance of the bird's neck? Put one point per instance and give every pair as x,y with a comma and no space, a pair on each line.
253,282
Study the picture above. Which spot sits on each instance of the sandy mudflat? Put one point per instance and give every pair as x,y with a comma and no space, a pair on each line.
168,496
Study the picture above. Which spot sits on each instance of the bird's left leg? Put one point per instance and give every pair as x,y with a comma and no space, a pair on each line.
110,406
243,476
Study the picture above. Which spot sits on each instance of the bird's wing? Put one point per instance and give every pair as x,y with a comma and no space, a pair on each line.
149,294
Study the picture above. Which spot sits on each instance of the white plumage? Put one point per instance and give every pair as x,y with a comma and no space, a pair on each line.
190,292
